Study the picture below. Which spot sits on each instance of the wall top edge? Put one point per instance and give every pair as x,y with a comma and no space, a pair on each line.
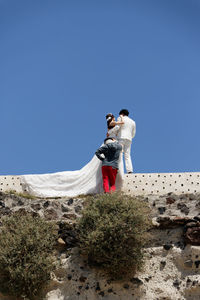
154,173
162,173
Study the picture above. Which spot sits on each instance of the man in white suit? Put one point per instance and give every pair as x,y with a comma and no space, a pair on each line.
125,135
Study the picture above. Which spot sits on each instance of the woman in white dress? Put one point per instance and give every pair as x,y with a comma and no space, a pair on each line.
87,180
112,125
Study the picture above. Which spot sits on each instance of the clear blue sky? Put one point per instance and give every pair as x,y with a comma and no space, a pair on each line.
65,64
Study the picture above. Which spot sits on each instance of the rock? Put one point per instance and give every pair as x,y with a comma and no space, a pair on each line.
192,197
169,222
69,277
192,235
167,247
126,286
188,263
34,214
70,216
60,241
136,281
170,200
64,208
10,203
162,264
36,206
56,204
2,204
197,263
78,209
197,205
50,214
22,211
70,201
46,204
180,220
154,222
195,282
180,244
82,278
68,233
61,245
183,208
176,283
20,202
164,222
5,211
191,223
2,195
184,197
25,211
161,210
97,287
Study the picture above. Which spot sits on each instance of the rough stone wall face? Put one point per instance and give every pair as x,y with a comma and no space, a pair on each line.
172,264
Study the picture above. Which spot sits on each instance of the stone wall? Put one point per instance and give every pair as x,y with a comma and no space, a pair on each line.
172,264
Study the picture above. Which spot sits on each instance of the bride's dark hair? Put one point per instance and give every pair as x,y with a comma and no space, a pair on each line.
109,118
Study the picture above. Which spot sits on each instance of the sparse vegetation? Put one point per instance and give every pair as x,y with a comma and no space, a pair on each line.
23,195
112,232
26,254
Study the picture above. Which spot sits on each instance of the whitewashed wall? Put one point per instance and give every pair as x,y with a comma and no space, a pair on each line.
162,183
136,184
8,183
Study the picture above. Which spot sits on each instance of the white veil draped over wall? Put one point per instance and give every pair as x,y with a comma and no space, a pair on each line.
87,180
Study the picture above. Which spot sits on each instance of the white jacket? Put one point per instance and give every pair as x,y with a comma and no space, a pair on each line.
127,130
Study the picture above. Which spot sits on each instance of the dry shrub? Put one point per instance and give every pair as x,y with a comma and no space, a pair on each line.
112,232
26,254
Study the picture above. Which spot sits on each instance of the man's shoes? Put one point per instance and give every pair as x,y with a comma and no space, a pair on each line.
130,172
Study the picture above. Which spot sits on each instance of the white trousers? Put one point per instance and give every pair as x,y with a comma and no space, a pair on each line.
126,144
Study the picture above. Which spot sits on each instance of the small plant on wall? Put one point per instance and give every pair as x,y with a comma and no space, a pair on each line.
26,254
113,231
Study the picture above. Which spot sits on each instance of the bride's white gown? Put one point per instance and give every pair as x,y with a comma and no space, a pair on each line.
87,180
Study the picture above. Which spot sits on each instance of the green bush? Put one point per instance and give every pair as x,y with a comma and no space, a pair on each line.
112,232
26,254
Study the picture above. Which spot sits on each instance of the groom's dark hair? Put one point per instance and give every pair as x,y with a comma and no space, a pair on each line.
124,112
